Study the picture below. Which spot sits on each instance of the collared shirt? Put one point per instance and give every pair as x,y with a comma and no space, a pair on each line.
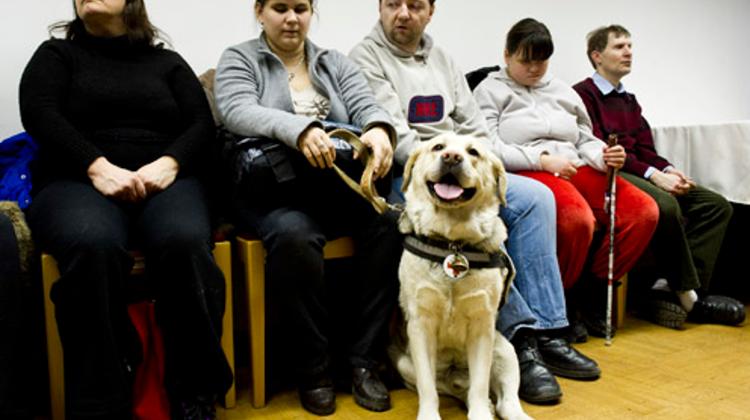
606,87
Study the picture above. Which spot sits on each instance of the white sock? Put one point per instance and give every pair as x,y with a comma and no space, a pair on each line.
688,299
661,284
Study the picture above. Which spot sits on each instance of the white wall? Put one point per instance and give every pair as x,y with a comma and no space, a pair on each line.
691,56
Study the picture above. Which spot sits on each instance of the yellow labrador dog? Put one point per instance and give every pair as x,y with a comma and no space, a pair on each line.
453,277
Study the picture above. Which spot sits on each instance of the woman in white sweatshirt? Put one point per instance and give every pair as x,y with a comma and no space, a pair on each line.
525,106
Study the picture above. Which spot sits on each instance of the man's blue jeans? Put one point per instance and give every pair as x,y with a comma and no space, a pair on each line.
536,299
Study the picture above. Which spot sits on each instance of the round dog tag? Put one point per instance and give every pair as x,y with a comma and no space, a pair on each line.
455,266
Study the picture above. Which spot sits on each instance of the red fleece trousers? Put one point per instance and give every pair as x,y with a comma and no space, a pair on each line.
580,210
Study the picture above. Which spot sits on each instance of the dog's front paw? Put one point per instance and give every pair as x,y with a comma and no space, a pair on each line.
428,414
515,414
480,414
520,416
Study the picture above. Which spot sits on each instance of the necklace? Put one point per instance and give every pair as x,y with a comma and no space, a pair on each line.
290,71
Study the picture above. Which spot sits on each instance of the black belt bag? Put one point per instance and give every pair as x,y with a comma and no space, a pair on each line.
256,156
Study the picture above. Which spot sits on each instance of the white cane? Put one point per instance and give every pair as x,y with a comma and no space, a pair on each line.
609,207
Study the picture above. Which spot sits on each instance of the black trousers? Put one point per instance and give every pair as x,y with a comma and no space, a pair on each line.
90,235
294,219
689,235
10,311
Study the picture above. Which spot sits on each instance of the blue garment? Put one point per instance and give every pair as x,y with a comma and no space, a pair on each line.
536,299
16,154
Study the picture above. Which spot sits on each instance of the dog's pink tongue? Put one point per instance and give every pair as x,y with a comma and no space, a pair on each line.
448,191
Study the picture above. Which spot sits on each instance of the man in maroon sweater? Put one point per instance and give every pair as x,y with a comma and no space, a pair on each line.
692,219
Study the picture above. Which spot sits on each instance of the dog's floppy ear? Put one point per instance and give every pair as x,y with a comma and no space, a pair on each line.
409,166
502,182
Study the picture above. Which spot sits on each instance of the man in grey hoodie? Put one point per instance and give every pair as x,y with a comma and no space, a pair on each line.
426,94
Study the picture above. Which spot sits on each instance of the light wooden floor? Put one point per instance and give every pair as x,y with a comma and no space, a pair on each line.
702,372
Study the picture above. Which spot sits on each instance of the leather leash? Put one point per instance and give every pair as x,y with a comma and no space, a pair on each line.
365,186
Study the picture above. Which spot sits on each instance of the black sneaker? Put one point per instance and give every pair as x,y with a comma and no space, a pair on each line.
663,308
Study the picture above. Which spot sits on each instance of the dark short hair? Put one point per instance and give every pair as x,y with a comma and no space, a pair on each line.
138,27
598,38
431,2
531,39
262,3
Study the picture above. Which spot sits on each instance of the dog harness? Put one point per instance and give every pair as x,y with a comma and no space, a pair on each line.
457,258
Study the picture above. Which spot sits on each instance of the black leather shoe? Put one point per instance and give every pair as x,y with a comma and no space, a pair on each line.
185,410
369,391
563,360
576,331
591,301
317,395
201,407
538,384
716,309
197,408
596,324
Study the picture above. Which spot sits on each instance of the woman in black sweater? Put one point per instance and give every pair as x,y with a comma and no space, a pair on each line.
123,127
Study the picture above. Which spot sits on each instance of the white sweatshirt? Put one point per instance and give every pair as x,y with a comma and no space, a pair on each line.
425,93
549,117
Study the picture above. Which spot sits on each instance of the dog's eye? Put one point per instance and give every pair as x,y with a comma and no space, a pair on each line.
474,152
438,147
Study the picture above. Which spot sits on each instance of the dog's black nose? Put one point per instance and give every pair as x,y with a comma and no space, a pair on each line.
452,158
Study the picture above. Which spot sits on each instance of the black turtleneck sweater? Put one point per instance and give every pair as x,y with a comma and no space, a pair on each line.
131,103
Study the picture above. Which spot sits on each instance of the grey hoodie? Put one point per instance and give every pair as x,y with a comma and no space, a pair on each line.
549,117
425,93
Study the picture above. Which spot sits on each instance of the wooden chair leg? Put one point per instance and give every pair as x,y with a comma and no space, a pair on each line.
621,297
223,258
50,274
252,256
257,295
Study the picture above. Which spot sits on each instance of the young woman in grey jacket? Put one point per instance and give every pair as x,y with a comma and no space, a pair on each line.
276,94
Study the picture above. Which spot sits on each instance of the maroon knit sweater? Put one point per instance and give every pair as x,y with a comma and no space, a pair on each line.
619,113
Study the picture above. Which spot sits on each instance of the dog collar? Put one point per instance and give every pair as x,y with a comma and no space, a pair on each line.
455,257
